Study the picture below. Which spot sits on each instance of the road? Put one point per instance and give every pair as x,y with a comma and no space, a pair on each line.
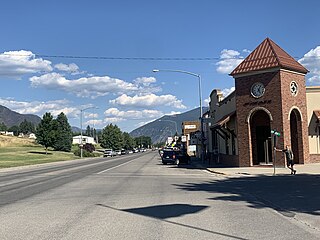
136,197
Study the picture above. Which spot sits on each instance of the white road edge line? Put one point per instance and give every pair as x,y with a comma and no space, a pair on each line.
106,170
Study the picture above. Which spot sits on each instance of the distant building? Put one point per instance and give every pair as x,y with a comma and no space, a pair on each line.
85,139
189,130
32,136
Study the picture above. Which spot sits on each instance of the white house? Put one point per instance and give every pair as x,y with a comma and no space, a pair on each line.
32,136
85,139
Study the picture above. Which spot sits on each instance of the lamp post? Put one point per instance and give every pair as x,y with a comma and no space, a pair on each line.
200,99
81,113
175,123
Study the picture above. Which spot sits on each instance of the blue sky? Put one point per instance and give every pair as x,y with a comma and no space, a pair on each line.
127,92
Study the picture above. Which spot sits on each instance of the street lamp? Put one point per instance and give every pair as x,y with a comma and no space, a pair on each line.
175,123
200,98
81,113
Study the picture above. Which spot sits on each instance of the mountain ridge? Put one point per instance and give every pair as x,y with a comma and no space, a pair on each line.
164,127
11,118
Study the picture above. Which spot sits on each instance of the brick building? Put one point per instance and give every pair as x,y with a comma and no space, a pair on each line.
270,93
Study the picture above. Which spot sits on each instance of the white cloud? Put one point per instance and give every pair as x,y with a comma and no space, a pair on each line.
230,59
140,124
39,108
150,100
83,87
311,60
132,114
15,64
173,113
71,68
90,115
207,101
146,85
146,81
94,122
113,120
227,91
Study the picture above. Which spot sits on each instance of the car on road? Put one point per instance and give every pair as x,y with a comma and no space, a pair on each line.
118,152
124,152
109,153
169,156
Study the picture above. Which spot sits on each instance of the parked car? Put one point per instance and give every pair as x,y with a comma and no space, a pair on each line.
109,153
118,152
169,156
123,152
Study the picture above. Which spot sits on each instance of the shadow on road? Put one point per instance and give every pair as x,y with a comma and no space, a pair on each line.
285,194
167,211
161,212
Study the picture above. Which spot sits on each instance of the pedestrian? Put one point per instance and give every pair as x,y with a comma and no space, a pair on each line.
289,157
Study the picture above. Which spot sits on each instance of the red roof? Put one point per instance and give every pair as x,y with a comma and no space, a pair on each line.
268,55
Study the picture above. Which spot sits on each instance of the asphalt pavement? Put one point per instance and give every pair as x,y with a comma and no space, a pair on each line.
136,197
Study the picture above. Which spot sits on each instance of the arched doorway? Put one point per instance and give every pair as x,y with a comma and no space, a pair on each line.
260,138
296,135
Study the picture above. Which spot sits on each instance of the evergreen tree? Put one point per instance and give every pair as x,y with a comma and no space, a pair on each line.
88,131
128,141
111,137
15,130
3,127
62,133
45,132
26,127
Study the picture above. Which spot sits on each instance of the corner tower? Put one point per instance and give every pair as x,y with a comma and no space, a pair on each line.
270,94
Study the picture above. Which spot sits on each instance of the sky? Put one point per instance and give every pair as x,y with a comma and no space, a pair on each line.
98,56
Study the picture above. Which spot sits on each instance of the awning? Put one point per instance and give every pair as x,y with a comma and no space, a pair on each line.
223,120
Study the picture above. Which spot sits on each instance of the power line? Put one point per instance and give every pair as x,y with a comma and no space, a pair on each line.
149,58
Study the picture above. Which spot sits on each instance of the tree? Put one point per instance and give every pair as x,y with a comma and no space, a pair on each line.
88,131
128,141
143,141
15,130
111,137
26,127
45,132
62,134
3,127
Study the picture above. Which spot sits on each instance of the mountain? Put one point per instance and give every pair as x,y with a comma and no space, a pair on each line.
11,118
165,126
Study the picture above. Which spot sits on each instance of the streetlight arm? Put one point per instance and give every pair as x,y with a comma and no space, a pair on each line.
180,71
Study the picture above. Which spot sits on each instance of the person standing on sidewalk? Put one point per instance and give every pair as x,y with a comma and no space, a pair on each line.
289,157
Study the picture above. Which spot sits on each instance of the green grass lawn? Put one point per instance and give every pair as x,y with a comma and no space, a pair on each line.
29,155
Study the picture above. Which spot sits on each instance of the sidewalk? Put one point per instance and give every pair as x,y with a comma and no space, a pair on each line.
313,168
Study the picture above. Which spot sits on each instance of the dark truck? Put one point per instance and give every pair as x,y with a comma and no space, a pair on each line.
174,157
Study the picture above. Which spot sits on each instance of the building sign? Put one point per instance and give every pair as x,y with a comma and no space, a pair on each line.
190,127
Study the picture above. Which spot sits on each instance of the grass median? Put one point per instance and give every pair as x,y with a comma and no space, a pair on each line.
16,151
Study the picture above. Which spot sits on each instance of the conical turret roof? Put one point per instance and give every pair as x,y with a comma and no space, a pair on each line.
268,55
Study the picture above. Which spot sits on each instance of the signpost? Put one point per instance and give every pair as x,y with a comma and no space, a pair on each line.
275,134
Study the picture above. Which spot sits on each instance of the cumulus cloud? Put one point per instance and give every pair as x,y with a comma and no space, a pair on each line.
113,120
14,64
227,91
145,81
311,60
83,87
132,114
149,100
230,59
69,68
94,122
39,108
146,85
